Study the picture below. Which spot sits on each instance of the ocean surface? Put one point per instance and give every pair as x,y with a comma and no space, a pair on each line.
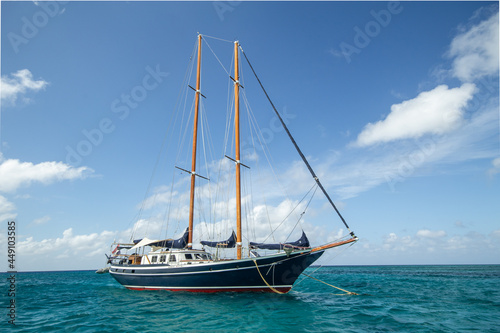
391,299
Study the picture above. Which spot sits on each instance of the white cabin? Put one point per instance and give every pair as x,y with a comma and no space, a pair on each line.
176,257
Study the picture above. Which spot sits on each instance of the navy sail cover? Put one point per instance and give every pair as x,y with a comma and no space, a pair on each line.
303,242
229,243
172,243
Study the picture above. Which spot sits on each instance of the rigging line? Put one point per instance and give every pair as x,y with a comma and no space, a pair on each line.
168,209
223,168
170,123
229,107
252,205
220,193
301,215
217,58
297,147
185,90
224,40
206,127
265,149
182,135
254,127
291,212
205,135
229,121
329,258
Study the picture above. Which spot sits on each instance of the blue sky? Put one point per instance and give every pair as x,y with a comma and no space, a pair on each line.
395,104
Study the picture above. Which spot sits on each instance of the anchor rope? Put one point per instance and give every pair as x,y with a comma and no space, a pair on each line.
270,287
331,285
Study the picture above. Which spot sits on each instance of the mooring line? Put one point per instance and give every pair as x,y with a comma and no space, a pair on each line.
273,289
331,285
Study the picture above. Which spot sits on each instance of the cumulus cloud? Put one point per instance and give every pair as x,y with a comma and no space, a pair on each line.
475,51
495,167
14,174
429,247
42,220
432,112
41,255
426,233
18,84
7,209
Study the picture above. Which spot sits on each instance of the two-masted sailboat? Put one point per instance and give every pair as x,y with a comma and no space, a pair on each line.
174,264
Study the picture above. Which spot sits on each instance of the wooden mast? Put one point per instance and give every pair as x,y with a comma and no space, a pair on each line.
195,138
237,149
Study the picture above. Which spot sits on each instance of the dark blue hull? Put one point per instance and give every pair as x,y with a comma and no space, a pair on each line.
277,272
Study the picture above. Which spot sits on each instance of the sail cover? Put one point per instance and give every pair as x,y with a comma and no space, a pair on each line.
231,242
303,242
142,242
173,243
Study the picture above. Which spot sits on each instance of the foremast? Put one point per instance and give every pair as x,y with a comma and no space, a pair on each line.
195,139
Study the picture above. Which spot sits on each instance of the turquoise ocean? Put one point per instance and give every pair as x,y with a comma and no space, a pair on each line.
391,299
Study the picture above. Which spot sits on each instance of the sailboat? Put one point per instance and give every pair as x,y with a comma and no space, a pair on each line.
175,265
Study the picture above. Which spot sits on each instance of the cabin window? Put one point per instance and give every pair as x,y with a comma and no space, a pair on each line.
172,258
189,256
200,256
163,258
153,259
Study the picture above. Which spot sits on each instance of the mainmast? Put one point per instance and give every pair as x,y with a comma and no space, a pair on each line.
195,138
237,148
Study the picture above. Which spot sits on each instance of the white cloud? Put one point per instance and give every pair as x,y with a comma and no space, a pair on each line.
443,248
436,111
496,167
84,250
18,84
351,173
14,174
426,233
42,220
475,51
6,209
